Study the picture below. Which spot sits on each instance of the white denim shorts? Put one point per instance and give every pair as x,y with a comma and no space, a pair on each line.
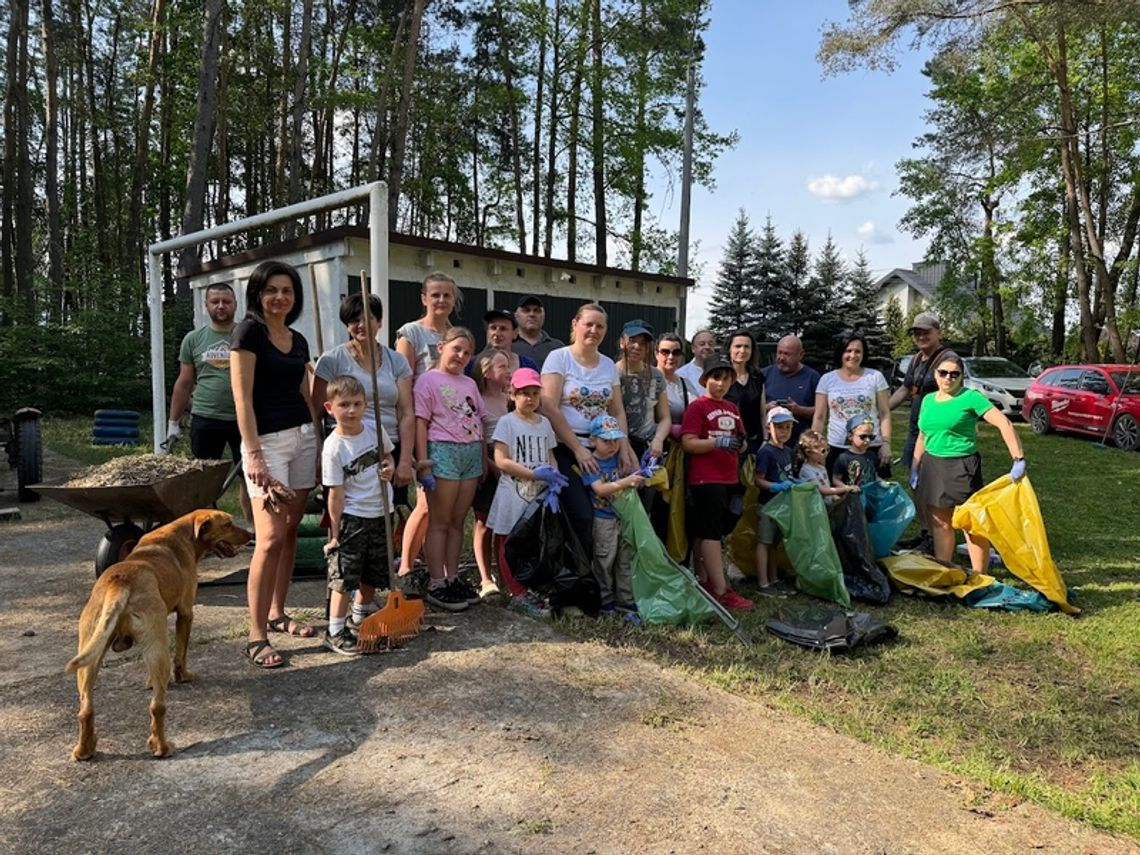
290,455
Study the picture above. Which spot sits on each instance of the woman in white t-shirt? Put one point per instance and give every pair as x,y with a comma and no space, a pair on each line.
393,382
578,384
418,342
850,390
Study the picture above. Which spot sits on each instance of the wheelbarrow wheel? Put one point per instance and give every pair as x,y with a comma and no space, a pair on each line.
116,545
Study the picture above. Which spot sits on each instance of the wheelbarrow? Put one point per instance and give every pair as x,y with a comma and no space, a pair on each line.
129,512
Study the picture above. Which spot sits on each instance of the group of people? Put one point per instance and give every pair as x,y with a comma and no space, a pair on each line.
529,418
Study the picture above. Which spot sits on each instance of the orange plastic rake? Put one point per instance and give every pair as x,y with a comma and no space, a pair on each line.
400,618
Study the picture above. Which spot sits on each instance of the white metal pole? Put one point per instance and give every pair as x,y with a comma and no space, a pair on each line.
157,352
378,251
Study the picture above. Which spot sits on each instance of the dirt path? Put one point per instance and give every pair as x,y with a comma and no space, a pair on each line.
492,734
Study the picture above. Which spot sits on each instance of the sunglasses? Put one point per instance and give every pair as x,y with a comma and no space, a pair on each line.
948,375
666,352
865,436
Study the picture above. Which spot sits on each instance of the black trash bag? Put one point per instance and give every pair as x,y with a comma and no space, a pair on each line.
861,573
545,555
823,628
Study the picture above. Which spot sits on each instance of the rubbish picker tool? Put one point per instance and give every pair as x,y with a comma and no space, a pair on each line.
400,618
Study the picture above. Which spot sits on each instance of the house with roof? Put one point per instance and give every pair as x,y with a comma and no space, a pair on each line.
915,289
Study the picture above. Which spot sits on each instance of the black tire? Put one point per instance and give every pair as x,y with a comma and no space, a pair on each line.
29,459
116,545
1126,433
124,415
1039,420
102,421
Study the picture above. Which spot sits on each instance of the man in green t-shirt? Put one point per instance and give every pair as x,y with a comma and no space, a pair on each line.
204,375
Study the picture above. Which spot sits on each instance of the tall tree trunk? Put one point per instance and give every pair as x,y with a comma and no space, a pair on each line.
598,137
641,81
990,283
13,93
303,50
513,114
573,132
378,151
142,138
400,131
25,264
98,176
283,109
1061,286
201,140
552,133
536,143
51,162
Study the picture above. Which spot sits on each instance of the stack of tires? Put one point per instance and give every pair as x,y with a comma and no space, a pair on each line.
310,560
115,427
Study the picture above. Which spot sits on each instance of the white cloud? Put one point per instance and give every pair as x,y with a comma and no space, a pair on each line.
834,188
870,233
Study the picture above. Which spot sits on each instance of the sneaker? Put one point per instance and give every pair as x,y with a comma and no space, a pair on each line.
489,590
630,616
607,610
470,595
446,597
413,584
344,643
732,600
531,605
786,586
772,591
353,625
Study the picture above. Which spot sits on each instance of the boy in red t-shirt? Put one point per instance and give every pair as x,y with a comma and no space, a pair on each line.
712,434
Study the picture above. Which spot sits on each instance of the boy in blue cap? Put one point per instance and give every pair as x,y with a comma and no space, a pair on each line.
773,475
859,464
611,553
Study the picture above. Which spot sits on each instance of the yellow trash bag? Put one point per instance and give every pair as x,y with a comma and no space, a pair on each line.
1007,514
913,572
676,540
741,541
659,479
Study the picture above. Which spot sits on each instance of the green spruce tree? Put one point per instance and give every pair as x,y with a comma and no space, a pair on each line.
828,287
863,306
735,287
767,307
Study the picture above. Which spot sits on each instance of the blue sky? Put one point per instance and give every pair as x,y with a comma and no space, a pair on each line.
816,154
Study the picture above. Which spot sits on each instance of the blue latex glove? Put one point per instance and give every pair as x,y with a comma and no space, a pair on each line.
729,443
1018,470
648,461
914,478
780,487
550,500
427,481
551,477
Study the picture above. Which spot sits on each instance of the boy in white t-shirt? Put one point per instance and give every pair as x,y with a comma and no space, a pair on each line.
354,472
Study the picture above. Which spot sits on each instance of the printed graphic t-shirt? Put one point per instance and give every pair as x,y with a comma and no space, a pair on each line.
451,404
352,462
707,418
208,350
586,391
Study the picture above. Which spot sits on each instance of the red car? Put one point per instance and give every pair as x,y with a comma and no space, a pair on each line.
1088,399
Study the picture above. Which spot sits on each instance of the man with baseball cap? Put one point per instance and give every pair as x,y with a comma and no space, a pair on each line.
918,382
532,340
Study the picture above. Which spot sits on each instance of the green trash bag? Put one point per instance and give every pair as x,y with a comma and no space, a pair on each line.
665,592
803,521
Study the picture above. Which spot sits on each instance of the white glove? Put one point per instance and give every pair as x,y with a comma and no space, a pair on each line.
173,434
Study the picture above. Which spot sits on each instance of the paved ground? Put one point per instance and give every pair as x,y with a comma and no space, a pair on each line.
492,733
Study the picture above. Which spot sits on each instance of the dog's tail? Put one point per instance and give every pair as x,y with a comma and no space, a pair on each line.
113,607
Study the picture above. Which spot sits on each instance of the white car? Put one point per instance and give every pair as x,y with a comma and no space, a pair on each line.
1000,380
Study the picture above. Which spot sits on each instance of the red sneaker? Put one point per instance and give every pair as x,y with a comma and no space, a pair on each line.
732,600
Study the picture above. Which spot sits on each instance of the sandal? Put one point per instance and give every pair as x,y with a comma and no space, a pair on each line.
289,626
257,653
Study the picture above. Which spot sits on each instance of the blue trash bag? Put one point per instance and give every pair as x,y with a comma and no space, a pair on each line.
889,511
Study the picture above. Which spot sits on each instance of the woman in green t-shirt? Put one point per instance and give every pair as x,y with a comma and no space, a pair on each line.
947,468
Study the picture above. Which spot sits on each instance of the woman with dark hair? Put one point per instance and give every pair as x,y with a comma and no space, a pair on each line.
643,391
279,444
851,390
748,390
947,468
393,381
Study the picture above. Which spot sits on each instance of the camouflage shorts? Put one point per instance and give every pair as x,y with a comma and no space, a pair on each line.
362,558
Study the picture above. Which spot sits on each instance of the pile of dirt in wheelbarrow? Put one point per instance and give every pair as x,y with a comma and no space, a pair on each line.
135,470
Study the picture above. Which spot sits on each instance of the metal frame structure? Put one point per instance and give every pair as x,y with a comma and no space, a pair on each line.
377,195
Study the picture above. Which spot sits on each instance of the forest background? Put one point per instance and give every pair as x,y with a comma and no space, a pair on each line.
542,127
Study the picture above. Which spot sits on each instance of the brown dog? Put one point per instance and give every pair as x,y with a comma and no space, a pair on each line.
129,605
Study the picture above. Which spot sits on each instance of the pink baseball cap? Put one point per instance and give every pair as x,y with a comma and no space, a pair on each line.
525,377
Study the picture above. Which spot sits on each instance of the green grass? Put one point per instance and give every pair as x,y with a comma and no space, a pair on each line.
1044,708
1038,707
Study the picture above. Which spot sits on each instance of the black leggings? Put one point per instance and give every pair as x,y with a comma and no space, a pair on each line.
576,499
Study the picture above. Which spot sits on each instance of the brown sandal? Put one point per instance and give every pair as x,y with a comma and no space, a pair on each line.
257,653
289,626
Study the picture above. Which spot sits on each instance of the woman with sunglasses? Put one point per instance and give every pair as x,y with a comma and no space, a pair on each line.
947,468
670,357
847,391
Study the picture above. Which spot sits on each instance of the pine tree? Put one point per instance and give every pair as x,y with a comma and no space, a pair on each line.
828,287
735,286
895,325
803,306
767,308
863,307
